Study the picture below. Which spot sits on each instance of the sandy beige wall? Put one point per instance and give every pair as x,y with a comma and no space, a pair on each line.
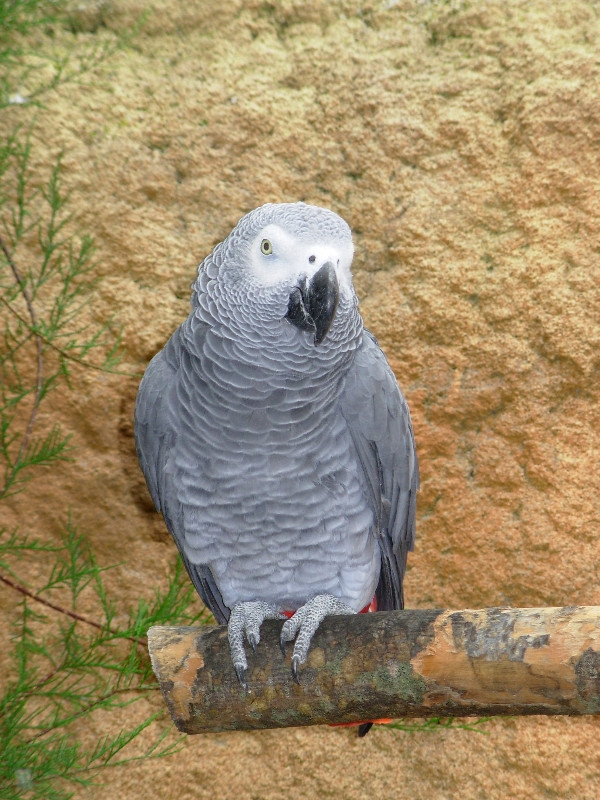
461,141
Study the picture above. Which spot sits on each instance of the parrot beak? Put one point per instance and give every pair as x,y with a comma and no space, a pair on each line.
313,304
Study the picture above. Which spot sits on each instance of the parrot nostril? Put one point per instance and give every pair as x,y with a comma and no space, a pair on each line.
312,259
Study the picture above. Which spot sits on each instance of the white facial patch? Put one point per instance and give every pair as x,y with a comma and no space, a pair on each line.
277,257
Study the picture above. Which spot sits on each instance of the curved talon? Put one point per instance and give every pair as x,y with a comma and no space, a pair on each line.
304,623
246,618
282,644
295,665
241,673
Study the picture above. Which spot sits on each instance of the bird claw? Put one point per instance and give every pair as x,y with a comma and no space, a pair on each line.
304,623
241,673
295,665
246,618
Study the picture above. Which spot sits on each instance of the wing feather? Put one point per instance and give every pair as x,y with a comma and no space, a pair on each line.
154,438
381,429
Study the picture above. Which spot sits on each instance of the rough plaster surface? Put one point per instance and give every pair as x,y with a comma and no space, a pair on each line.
461,141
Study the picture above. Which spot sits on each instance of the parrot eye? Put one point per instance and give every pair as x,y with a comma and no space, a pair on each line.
266,248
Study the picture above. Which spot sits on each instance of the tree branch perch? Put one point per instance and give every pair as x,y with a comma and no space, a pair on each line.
413,663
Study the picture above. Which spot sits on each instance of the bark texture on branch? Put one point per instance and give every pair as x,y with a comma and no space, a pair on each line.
395,664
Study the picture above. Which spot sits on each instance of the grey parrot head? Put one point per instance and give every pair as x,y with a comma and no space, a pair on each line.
283,273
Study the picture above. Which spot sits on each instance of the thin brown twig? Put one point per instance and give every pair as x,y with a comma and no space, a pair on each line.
46,679
63,353
88,707
73,614
39,685
40,364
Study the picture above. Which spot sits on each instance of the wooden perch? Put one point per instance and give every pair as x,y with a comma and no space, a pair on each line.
396,664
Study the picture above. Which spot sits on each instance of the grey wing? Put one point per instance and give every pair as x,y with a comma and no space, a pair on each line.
155,430
381,429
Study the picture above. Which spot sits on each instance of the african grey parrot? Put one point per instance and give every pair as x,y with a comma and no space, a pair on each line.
274,438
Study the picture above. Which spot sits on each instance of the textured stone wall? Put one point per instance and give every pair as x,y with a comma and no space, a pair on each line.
461,141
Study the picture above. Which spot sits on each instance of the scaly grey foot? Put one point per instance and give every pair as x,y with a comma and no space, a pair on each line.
247,618
305,622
